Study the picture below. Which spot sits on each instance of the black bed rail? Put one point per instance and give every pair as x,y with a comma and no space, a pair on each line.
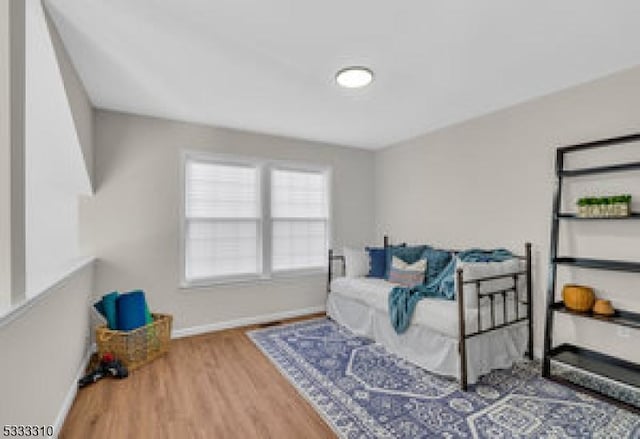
332,259
491,295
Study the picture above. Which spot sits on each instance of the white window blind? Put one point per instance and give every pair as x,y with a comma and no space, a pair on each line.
223,220
299,219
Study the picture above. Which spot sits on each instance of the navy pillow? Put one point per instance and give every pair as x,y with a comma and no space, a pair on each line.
409,254
377,261
437,260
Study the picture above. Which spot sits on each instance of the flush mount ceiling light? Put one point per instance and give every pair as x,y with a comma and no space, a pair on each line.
354,77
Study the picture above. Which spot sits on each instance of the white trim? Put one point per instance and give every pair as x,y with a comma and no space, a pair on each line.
73,391
16,311
255,279
245,321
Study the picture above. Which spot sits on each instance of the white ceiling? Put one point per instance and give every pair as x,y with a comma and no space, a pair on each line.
269,66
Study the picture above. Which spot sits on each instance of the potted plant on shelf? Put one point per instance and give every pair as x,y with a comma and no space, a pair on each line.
604,207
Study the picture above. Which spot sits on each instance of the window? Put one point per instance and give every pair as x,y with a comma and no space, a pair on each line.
251,219
222,220
299,219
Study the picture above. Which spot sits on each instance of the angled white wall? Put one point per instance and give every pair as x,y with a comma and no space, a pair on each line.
54,325
55,168
79,103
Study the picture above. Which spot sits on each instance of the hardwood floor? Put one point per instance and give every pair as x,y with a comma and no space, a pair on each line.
216,385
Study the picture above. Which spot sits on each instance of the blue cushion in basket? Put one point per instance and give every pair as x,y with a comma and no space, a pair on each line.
131,310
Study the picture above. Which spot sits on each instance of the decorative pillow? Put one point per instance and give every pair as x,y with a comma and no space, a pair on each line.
356,262
406,274
437,261
408,254
377,261
380,260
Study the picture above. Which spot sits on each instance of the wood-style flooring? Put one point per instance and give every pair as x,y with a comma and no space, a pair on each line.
216,385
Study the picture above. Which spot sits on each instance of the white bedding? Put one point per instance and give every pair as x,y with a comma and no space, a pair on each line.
437,314
431,342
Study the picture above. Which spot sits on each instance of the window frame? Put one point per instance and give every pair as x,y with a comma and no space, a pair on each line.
287,166
265,167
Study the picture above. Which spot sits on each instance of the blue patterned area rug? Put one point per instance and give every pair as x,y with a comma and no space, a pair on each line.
363,391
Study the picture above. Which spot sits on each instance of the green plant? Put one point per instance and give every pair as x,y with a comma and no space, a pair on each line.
595,201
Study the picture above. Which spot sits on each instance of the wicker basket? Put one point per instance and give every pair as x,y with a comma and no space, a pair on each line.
139,346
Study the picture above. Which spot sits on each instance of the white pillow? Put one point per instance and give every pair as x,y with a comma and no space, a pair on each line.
475,270
420,264
356,262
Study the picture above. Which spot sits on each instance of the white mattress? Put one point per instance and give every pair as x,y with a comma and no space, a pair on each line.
437,314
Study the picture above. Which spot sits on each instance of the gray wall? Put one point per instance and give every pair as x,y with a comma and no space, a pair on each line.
43,351
132,222
489,183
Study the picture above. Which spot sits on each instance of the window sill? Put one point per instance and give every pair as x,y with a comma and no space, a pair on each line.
252,280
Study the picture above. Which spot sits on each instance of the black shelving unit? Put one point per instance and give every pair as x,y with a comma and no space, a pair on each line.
622,318
573,216
592,362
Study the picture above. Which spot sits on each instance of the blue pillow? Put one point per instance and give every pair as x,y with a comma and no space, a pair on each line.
377,261
409,254
437,260
131,310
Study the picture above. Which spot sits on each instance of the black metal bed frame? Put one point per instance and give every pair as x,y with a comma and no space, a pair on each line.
481,294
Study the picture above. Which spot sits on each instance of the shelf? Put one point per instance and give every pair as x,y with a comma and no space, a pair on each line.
573,216
600,264
597,363
600,143
621,317
600,169
614,371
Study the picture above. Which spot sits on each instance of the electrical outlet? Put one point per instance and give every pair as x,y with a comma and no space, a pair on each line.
624,332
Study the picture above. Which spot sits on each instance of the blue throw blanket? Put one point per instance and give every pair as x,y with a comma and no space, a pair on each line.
403,301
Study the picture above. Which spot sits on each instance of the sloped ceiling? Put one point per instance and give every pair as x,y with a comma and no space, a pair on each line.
269,66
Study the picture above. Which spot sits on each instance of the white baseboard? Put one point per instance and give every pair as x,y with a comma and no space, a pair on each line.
71,394
264,318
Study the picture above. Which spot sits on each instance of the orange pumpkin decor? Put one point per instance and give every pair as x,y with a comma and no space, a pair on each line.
578,297
603,307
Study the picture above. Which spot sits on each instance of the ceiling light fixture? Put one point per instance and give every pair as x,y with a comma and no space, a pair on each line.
354,77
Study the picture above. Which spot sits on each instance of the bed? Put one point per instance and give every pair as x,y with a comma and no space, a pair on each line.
486,327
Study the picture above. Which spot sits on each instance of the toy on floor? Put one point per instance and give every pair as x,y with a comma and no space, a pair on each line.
108,366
